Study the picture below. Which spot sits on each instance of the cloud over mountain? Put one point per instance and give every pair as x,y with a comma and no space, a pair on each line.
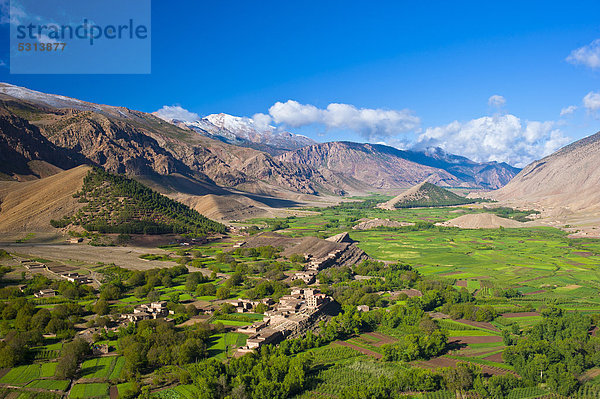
170,112
371,123
591,102
502,138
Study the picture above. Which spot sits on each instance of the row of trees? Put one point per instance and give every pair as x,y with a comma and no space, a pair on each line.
143,211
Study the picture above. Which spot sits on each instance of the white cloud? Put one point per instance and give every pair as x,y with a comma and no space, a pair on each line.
496,101
568,110
370,123
170,112
591,102
262,121
502,138
587,55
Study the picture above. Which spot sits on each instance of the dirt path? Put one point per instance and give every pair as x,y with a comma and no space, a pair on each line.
383,339
127,257
114,392
479,324
361,350
448,362
522,314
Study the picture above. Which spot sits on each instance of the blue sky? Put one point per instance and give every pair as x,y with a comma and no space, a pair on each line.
433,65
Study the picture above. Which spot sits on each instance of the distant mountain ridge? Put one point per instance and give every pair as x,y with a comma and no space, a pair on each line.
42,134
139,144
386,167
244,132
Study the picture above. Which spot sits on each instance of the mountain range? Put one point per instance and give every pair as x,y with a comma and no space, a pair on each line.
220,158
244,132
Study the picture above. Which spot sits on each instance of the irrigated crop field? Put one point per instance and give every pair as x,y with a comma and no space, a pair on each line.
536,261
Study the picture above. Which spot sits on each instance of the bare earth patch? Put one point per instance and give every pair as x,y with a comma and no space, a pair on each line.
522,314
361,350
535,292
480,324
383,339
476,340
447,362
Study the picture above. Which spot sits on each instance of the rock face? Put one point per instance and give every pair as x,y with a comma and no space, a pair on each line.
24,150
566,181
385,167
424,194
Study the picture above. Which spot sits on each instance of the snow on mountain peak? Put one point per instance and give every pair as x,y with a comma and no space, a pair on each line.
236,124
235,128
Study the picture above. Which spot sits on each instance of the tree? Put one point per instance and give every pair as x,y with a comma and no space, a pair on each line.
135,359
261,308
153,296
227,308
207,289
223,292
297,258
101,307
40,320
72,353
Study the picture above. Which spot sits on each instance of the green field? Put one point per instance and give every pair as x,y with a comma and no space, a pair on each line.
118,367
51,385
89,391
21,375
97,368
532,259
233,322
222,341
179,392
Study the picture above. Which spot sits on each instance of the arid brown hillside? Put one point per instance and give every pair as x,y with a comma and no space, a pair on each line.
567,181
29,206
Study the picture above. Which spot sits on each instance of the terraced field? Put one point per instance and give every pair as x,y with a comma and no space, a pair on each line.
537,261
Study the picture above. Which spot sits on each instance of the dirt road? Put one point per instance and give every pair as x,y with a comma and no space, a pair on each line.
127,257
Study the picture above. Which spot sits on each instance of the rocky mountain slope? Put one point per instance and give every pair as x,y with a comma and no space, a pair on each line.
42,134
385,167
140,144
565,182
